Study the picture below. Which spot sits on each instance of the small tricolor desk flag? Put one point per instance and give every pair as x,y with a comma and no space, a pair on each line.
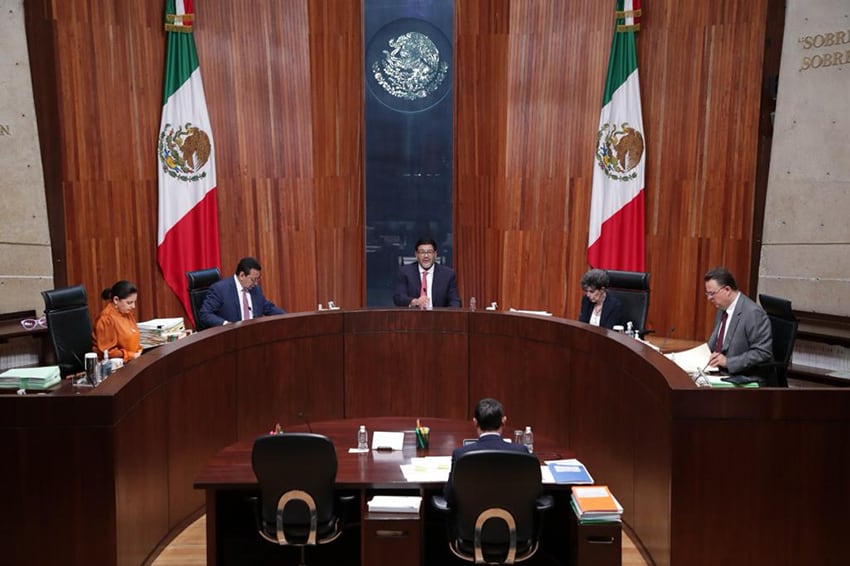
187,238
617,236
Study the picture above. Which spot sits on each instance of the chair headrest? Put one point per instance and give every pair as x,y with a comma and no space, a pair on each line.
69,297
637,280
777,306
203,278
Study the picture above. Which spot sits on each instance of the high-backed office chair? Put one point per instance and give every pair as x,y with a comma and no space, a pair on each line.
498,510
199,284
632,290
297,505
783,325
69,326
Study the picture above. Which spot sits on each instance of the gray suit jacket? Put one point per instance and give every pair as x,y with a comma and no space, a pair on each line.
747,340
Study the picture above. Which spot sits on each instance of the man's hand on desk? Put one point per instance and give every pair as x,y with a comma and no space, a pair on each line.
717,359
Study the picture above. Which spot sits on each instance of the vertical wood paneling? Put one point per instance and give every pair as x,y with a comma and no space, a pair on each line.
523,208
284,88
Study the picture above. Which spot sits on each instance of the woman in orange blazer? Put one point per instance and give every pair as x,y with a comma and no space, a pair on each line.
115,329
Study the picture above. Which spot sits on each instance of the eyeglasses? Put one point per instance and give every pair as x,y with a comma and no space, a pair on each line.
710,294
426,252
33,323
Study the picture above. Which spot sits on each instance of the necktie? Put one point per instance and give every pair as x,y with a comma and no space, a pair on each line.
424,284
246,308
721,333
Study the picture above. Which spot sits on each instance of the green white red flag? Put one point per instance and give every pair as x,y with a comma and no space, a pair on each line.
617,234
187,238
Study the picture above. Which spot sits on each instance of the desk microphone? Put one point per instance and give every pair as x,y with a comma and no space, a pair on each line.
306,422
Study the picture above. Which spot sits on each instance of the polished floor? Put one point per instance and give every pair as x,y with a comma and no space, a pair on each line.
190,547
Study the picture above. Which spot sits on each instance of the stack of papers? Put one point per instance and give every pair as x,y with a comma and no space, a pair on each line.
155,332
39,378
523,311
569,471
395,504
431,469
595,504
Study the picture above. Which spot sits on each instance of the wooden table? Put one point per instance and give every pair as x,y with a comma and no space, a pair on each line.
228,480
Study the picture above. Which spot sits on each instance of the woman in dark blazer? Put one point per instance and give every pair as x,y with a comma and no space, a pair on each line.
597,307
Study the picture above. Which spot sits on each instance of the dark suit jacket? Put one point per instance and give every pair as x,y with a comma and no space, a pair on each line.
612,312
222,303
443,287
747,340
485,442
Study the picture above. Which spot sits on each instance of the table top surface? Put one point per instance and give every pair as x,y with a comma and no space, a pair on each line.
231,468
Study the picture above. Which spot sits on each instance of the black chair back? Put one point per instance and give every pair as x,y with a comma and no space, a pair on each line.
296,462
199,283
632,290
783,325
496,479
69,325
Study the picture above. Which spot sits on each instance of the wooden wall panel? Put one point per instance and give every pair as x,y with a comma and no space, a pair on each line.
524,193
284,91
284,87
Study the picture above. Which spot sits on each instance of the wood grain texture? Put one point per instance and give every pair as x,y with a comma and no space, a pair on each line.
284,85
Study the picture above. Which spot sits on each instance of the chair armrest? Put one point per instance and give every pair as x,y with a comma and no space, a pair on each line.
439,503
258,520
345,513
644,331
545,502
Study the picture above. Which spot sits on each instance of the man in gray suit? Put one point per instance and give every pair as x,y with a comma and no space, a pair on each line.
742,336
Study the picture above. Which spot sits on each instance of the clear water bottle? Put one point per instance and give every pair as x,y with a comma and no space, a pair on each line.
630,329
105,366
362,438
473,304
528,439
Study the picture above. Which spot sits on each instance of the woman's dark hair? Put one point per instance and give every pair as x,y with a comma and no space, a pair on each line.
122,289
595,279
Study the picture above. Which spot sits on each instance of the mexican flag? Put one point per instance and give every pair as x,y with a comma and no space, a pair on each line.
187,239
617,235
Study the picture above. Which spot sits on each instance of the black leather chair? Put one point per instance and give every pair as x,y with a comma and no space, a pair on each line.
632,289
783,325
497,515
298,505
69,326
199,284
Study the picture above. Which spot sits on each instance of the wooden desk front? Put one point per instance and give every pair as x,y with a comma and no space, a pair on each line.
122,458
228,476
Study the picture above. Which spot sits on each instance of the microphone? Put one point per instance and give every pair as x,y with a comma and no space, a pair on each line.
306,422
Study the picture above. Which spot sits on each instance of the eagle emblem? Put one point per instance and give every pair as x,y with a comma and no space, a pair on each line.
619,150
183,151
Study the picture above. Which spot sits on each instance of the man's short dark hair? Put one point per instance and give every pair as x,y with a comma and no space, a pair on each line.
425,242
246,264
488,414
722,276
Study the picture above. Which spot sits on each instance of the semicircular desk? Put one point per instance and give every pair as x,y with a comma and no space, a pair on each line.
706,476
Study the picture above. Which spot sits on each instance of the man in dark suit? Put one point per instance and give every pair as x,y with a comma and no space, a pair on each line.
237,298
426,284
742,336
489,420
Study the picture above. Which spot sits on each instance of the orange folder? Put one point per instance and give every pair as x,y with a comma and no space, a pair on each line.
595,499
